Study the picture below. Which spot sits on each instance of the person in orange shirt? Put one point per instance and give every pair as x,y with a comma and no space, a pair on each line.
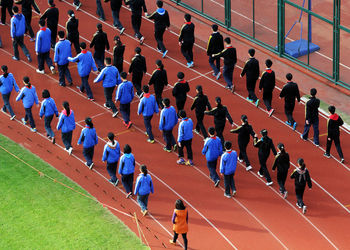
180,222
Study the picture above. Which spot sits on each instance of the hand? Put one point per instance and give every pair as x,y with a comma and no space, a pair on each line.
259,90
307,122
240,76
179,143
273,170
36,53
329,139
41,117
310,188
212,55
12,39
128,73
146,14
180,43
232,125
279,97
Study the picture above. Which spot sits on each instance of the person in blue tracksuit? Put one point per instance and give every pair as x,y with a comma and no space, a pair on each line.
85,64
66,122
143,187
228,165
125,94
212,150
111,154
48,109
184,139
63,50
88,138
7,83
167,121
147,107
28,96
110,78
18,27
42,48
127,169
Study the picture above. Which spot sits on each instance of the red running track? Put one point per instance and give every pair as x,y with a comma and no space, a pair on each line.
257,212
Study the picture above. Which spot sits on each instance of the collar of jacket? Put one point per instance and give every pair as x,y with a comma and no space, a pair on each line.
229,151
146,95
229,46
185,119
268,70
182,81
188,23
84,51
43,28
334,117
87,126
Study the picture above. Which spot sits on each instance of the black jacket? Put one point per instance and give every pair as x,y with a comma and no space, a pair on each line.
230,56
265,144
220,114
161,20
333,124
100,41
180,90
115,4
244,131
72,28
282,162
187,33
301,177
27,6
118,54
136,6
311,109
159,79
251,68
200,103
138,64
267,81
52,15
215,43
290,91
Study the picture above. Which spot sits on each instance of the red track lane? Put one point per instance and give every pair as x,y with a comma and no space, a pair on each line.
252,194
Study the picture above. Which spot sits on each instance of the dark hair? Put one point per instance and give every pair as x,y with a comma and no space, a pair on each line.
123,75
301,163
218,101
119,42
182,113
138,50
227,145
227,40
180,75
244,118
166,102
83,45
88,122
4,69
99,26
263,132
15,9
51,3
70,13
42,22
65,105
110,136
211,130
108,60
289,76
127,149
187,17
280,146
143,169
159,4
26,81
61,34
179,205
251,52
45,94
268,63
199,89
160,64
331,109
215,27
313,91
145,88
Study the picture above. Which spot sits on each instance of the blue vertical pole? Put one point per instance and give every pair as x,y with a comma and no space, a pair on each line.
309,22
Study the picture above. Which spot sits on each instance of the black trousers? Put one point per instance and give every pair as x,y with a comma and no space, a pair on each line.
67,139
158,35
127,180
187,51
88,155
200,125
288,110
219,129
299,192
159,98
180,103
108,92
75,42
53,29
136,24
263,168
29,116
42,58
137,80
28,18
63,72
336,140
229,183
19,41
267,98
243,153
184,236
112,170
188,145
125,110
3,11
251,83
169,138
281,179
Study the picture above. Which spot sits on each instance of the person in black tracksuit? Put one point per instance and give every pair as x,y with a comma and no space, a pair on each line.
180,90
6,4
251,69
220,114
116,5
215,45
138,67
136,7
290,91
72,30
244,131
118,54
100,42
200,104
186,40
159,80
267,84
333,134
52,15
27,13
265,144
282,164
161,22
230,59
311,117
301,176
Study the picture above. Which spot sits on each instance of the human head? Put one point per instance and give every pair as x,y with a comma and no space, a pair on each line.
218,100
123,75
42,23
99,26
215,27
127,149
45,94
159,63
227,41
199,89
187,17
51,3
15,9
4,68
110,136
145,89
182,113
211,131
227,145
180,75
166,102
143,169
268,63
70,13
117,40
26,80
301,163
179,205
263,132
108,61
88,121
244,118
83,45
60,34
331,109
313,92
159,4
138,50
280,147
289,76
65,105
251,52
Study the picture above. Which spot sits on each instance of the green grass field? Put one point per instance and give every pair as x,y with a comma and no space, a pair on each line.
37,213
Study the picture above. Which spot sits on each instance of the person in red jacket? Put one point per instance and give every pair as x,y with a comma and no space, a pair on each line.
180,222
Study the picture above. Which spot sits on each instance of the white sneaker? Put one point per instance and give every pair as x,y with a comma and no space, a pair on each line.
115,114
90,167
121,31
70,150
260,174
248,168
52,68
142,39
304,209
285,195
269,183
40,71
227,195
234,193
240,160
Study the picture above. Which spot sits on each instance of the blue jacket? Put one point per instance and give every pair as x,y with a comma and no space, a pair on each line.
111,153
110,77
18,25
144,185
7,84
228,162
126,164
185,130
66,123
168,118
85,63
125,92
43,40
62,52
212,148
148,105
88,137
48,107
28,96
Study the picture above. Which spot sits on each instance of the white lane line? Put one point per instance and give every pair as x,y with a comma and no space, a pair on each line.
94,116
